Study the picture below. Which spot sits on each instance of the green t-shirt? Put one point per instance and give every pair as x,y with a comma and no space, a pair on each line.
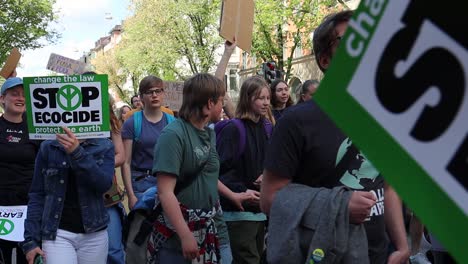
180,151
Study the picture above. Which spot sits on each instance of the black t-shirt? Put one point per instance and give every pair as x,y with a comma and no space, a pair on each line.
71,214
17,156
308,148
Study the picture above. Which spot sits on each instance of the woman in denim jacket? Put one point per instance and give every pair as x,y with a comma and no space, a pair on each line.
66,210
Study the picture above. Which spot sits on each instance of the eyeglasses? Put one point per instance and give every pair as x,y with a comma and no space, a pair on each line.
155,91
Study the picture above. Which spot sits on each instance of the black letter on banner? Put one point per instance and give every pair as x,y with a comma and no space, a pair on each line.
89,93
458,166
437,67
37,94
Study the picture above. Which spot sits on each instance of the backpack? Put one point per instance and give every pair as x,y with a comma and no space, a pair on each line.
242,132
137,119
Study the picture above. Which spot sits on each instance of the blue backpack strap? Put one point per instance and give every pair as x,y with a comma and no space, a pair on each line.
169,118
137,118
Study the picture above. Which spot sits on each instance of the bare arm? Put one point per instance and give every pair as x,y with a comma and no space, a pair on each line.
170,204
271,183
237,198
127,174
119,149
221,70
395,226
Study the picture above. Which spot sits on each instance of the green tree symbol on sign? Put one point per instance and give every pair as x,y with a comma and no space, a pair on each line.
69,97
6,227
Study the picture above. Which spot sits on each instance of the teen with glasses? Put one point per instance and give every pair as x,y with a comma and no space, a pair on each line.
136,170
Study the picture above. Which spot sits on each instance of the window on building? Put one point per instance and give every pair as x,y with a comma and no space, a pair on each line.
244,60
233,80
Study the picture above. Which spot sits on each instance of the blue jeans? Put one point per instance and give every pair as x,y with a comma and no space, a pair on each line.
226,253
114,231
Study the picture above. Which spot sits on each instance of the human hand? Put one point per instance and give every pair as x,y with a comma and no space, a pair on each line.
68,140
31,255
399,257
190,248
360,205
230,46
258,181
254,197
132,200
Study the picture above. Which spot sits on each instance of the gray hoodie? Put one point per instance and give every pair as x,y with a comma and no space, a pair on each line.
311,225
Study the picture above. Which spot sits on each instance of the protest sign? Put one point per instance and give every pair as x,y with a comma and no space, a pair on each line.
11,63
12,222
79,102
237,18
398,87
61,64
173,95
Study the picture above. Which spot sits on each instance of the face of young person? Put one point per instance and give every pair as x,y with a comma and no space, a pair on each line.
310,91
136,102
261,103
153,97
282,93
340,30
13,100
125,110
216,109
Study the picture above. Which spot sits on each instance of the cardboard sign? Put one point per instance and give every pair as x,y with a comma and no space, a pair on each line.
173,95
79,102
12,222
398,86
11,63
237,18
61,64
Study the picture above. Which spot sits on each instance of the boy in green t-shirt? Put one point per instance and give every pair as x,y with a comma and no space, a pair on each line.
186,155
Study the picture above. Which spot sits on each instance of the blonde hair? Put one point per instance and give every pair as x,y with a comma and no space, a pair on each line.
251,88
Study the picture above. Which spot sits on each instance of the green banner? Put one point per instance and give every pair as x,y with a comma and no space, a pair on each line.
398,87
79,102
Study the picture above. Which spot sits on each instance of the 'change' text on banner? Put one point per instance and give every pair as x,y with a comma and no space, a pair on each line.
79,102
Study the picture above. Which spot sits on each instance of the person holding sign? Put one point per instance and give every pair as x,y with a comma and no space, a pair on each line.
17,156
66,212
308,148
140,133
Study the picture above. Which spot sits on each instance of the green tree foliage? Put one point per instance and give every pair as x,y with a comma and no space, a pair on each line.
107,63
281,26
172,39
24,23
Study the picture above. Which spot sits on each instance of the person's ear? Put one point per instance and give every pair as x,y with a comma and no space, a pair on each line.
210,104
324,61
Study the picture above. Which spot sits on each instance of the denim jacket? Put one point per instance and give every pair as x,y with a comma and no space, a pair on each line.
93,165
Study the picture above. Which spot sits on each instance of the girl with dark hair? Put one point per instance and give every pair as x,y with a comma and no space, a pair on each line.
280,97
242,172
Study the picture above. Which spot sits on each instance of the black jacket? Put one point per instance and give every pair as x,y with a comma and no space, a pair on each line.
240,175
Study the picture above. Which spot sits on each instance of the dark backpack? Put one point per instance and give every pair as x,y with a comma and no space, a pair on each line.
242,132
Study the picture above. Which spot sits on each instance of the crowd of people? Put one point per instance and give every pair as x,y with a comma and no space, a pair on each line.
265,181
